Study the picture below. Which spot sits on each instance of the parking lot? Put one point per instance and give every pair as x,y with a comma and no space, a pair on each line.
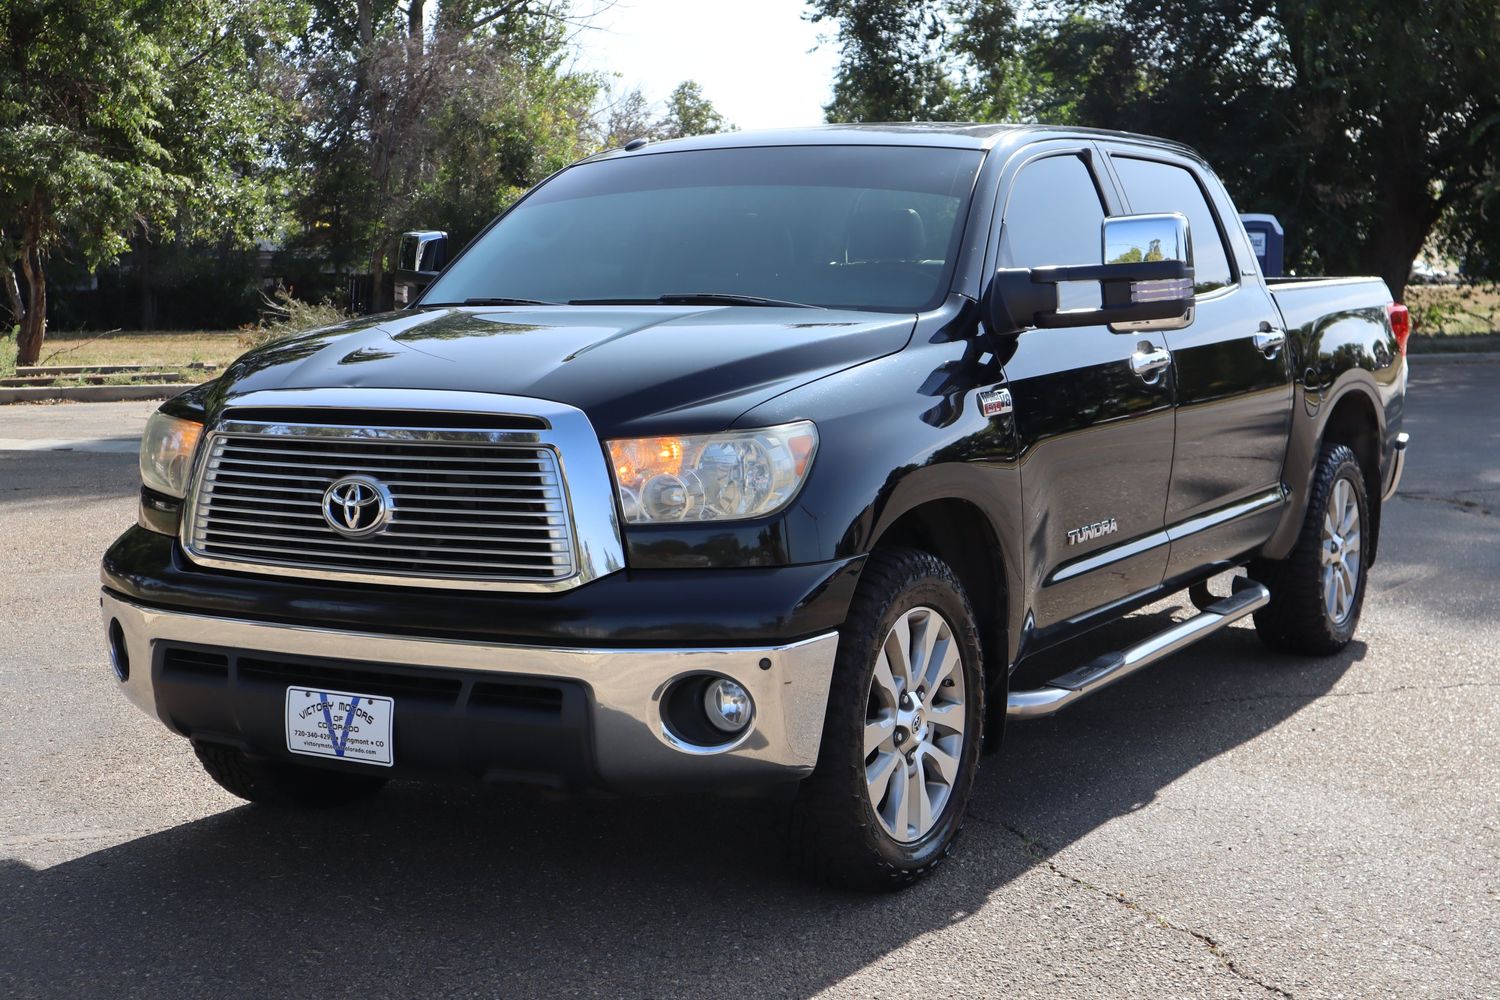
1230,823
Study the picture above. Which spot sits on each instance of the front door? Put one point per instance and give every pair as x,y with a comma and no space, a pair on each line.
1234,376
1093,410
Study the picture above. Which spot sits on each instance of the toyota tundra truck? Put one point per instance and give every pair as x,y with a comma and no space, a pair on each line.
761,462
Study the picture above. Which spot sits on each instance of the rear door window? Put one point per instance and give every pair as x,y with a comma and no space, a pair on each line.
1153,186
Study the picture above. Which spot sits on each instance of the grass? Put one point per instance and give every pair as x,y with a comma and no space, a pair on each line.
8,353
167,349
1449,319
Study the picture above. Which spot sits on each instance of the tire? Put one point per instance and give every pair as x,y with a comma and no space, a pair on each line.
842,834
273,783
1318,590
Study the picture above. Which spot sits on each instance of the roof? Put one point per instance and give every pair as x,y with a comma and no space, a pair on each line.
952,135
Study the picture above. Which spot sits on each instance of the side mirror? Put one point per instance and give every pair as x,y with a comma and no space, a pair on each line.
420,257
1145,281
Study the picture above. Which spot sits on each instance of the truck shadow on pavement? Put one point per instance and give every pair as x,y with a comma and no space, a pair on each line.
431,890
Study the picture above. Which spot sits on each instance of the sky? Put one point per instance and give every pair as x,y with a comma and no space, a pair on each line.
750,56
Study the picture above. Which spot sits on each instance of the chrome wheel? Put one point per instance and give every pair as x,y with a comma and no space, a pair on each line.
914,725
1340,553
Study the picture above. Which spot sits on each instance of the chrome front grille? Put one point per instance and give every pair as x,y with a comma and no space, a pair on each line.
468,506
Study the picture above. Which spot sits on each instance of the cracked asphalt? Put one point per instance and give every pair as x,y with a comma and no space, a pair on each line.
1231,823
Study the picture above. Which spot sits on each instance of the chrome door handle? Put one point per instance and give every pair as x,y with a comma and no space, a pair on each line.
1146,363
1269,340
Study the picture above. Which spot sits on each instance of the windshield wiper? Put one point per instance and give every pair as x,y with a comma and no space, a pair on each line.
695,299
493,302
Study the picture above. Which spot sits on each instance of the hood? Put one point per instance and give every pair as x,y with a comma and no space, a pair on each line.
636,369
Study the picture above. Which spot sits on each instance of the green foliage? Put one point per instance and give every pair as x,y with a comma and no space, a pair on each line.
120,118
690,113
1364,125
405,121
891,61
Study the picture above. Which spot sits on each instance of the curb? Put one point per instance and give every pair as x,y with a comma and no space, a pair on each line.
93,393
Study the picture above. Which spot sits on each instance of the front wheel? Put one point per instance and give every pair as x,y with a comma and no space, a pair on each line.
902,733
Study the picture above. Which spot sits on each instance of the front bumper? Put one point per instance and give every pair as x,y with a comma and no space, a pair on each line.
603,723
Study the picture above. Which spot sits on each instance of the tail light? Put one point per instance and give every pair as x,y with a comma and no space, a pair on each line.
1400,324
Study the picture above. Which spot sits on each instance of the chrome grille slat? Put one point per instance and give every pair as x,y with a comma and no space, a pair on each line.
405,506
488,511
487,564
403,445
548,533
217,465
361,552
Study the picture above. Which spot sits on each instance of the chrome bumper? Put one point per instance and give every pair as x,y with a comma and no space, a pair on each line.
1398,466
632,747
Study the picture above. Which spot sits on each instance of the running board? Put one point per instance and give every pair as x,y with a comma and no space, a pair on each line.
1104,670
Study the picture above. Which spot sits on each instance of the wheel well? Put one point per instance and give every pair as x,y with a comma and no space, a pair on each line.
958,533
1353,423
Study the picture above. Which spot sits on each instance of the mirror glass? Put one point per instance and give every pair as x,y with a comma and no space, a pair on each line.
1133,239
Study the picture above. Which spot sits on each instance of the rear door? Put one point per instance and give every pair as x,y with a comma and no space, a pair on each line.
1095,437
1232,368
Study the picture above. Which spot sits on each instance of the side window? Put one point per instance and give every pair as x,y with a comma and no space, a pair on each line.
1161,187
1054,215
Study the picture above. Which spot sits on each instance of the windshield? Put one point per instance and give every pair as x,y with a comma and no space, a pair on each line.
859,227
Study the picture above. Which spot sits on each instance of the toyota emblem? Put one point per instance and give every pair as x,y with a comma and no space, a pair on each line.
357,506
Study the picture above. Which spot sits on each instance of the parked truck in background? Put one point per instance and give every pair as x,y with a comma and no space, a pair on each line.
762,461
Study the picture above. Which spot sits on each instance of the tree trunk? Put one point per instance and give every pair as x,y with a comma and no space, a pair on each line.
365,21
415,15
143,275
1408,215
378,301
13,294
34,326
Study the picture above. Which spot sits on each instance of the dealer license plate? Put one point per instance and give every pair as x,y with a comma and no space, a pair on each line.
339,724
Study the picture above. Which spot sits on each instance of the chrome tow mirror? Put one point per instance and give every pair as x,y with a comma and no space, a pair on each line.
420,257
1145,281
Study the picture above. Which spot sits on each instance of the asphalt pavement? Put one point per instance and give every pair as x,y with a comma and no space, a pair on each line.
1231,823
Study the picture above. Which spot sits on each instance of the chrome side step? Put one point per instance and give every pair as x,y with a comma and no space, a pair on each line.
1104,670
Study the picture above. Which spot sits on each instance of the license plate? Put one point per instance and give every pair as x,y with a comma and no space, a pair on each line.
339,724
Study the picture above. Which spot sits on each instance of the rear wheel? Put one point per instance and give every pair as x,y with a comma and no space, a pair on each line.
275,783
1318,590
901,737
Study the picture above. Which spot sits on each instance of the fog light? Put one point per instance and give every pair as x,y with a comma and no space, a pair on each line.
728,705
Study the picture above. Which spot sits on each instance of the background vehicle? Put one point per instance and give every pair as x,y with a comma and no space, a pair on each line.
762,460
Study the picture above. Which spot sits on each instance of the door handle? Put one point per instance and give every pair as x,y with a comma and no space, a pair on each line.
1148,363
1269,339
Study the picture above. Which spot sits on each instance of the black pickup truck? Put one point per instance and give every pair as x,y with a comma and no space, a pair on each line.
762,461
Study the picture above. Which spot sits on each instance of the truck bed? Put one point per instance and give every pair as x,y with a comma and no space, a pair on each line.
1306,301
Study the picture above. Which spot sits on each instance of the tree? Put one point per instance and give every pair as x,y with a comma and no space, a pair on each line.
690,113
440,116
1367,126
117,116
892,66
629,115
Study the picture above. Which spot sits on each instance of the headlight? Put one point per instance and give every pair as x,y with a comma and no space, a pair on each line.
167,453
712,477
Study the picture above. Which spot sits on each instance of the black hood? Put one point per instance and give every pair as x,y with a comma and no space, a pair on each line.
637,369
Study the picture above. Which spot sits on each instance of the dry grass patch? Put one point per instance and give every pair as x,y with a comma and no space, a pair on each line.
168,349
